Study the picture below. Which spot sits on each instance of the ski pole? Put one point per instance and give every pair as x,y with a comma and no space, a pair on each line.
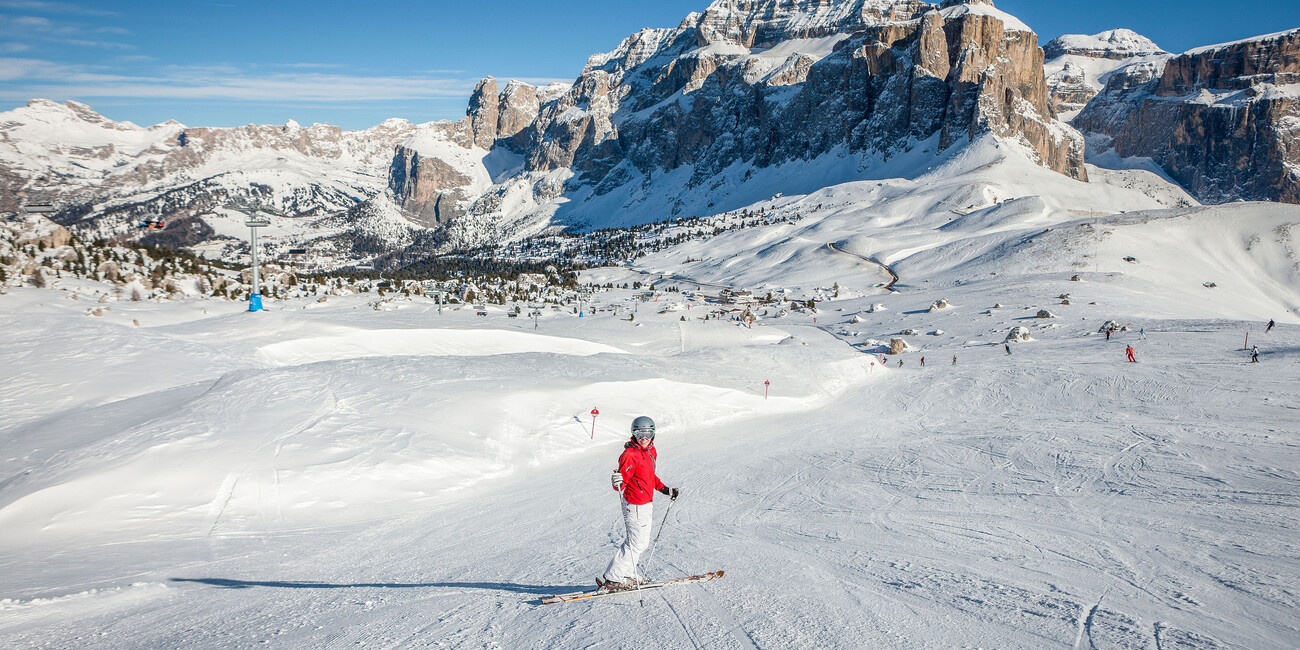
654,543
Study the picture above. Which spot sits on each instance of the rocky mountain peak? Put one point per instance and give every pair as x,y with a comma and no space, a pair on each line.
1115,44
495,113
1078,66
765,23
706,93
1219,119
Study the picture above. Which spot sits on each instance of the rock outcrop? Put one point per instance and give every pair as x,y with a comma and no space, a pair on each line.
742,87
1078,66
1223,121
427,188
718,90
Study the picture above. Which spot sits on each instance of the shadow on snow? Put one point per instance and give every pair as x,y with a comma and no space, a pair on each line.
227,583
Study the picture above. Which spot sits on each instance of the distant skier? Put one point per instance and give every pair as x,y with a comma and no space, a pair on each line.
954,359
1107,333
1008,347
1254,354
1142,334
635,478
922,362
1270,326
900,363
1129,352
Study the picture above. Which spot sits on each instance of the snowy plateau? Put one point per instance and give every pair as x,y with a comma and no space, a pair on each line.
899,409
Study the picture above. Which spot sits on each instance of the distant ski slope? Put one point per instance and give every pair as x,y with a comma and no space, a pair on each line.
340,475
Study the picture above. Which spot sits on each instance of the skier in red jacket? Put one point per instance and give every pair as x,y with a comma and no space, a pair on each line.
635,478
1129,352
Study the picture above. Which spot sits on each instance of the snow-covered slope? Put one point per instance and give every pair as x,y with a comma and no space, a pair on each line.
325,474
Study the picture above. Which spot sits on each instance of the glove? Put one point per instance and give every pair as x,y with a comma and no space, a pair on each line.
617,480
670,492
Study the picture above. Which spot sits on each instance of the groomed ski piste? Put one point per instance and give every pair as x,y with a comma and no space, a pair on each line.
330,475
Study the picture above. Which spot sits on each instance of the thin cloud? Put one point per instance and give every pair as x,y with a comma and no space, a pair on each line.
38,28
25,23
37,78
53,7
40,71
107,45
311,66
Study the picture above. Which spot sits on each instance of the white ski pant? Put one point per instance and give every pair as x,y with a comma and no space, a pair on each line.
638,520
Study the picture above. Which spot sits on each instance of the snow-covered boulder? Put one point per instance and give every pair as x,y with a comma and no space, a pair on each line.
1018,333
1043,313
898,346
876,307
941,303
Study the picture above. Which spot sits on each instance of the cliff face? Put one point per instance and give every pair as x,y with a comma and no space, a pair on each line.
731,85
436,177
746,84
1222,121
1078,66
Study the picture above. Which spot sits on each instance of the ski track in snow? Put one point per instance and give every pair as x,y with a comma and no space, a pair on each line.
883,521
338,476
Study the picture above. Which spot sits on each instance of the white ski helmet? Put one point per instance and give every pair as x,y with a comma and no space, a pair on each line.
643,427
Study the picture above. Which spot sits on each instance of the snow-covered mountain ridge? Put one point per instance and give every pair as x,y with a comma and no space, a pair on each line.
672,123
1077,66
1223,121
673,116
1118,44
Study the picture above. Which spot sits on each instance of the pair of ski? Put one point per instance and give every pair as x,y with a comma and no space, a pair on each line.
583,595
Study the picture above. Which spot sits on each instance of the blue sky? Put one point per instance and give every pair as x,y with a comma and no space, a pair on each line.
230,62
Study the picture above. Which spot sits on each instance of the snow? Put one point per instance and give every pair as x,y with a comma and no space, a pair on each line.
330,475
1252,39
1012,23
51,125
1096,70
421,342
1119,41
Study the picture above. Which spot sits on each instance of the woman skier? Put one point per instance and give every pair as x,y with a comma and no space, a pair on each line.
635,478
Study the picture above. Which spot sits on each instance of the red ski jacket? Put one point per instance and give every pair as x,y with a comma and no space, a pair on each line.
637,466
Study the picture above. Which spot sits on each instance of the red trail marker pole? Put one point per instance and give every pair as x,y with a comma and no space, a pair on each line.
766,384
594,413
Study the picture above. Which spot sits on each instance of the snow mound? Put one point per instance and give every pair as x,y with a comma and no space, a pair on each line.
423,342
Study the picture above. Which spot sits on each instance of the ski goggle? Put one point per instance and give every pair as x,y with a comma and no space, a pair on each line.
644,432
